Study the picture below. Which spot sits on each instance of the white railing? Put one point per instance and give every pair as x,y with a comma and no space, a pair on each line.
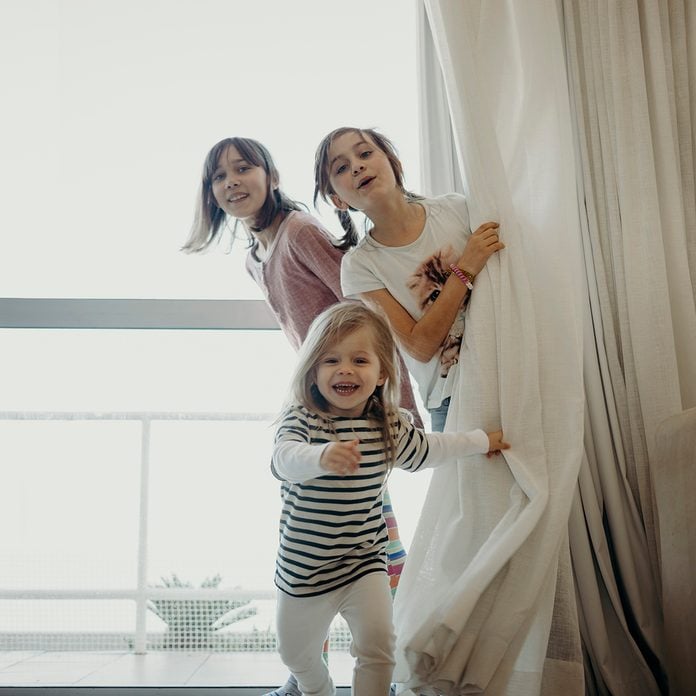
142,593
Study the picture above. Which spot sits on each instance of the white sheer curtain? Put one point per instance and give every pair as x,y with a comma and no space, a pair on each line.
500,116
475,606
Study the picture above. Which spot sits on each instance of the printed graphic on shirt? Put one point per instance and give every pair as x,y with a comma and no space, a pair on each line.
425,285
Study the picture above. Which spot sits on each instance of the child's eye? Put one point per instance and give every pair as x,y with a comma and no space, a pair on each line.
218,177
365,154
341,168
243,168
361,361
329,361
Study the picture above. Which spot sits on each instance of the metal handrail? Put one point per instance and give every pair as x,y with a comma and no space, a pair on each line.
142,593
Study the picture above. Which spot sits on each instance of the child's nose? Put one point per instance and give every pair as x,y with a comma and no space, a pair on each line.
358,167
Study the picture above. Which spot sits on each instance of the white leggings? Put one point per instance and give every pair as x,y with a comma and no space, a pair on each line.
303,623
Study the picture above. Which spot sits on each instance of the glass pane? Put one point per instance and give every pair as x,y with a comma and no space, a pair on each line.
214,503
70,497
70,625
141,370
111,106
71,493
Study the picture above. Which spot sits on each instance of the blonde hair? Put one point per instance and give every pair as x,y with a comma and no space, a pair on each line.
327,329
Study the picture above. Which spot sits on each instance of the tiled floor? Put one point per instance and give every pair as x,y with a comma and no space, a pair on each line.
112,669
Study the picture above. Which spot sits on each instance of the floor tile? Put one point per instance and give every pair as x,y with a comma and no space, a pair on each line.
153,669
76,656
53,674
12,656
167,669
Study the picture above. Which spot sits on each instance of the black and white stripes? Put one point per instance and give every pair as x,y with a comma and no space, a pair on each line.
332,531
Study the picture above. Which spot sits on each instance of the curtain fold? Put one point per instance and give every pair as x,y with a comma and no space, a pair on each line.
487,95
475,606
633,93
630,174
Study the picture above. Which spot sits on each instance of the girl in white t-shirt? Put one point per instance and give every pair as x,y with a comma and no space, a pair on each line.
418,261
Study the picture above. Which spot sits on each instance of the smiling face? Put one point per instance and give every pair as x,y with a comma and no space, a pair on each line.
359,171
239,188
348,374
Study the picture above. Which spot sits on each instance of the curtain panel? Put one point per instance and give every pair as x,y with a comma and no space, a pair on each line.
631,67
488,579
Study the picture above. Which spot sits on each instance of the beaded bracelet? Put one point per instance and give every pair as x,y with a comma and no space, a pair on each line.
466,277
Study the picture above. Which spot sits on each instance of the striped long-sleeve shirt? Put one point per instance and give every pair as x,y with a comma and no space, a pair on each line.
332,530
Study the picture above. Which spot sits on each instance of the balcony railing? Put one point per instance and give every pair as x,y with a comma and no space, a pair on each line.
143,595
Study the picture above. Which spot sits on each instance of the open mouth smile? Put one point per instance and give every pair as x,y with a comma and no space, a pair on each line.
237,197
344,389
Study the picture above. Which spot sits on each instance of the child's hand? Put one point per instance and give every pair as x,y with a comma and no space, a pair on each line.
341,458
480,246
496,443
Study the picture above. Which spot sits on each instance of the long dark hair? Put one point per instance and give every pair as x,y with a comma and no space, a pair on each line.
209,219
322,182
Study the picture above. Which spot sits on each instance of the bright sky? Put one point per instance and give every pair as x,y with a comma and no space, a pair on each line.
111,105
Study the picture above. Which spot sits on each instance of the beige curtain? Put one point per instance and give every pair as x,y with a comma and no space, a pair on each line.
630,74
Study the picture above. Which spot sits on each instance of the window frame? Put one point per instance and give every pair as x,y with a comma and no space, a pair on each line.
101,313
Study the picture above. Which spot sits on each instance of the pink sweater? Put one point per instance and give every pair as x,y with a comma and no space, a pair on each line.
300,278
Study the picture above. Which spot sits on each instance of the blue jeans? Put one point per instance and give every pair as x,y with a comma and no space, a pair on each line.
438,416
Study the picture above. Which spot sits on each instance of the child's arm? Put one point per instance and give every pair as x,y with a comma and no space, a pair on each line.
447,447
297,462
423,338
297,459
444,447
419,450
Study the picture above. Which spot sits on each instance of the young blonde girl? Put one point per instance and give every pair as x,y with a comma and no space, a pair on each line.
337,441
291,256
418,261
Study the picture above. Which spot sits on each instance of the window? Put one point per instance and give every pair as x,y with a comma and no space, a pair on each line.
110,108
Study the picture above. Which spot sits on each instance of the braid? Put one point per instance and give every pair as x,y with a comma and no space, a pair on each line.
350,238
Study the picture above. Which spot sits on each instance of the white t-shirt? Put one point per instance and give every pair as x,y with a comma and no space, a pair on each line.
414,275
